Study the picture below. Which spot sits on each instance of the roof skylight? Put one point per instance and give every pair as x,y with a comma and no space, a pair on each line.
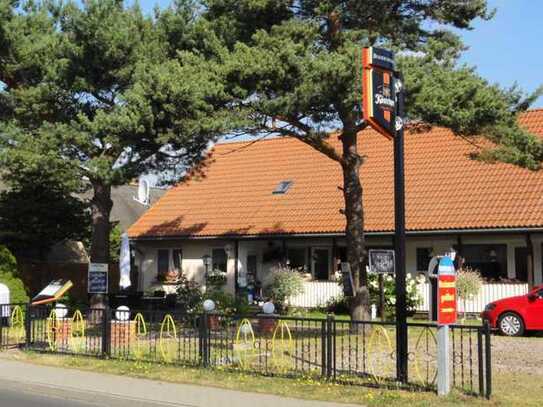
282,187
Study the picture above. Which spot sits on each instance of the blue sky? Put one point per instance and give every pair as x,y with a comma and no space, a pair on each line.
509,47
505,49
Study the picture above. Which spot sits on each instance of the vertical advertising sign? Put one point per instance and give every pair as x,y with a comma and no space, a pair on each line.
446,296
378,90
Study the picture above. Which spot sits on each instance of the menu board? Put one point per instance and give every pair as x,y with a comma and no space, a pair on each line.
382,261
98,278
347,280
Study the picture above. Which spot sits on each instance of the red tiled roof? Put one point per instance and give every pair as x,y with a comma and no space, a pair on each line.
445,189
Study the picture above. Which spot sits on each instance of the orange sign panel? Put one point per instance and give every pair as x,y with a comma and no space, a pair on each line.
378,90
446,300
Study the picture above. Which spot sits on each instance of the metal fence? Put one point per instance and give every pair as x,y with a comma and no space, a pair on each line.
355,352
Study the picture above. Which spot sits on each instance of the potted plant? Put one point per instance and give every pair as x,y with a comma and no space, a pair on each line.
468,285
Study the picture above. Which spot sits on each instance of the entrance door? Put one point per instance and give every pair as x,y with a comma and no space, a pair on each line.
321,262
521,263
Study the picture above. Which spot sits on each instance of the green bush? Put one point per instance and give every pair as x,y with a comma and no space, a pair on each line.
413,298
339,305
189,295
342,305
281,283
9,276
227,304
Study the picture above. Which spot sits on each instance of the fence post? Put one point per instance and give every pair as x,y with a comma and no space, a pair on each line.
203,340
28,326
330,348
480,362
106,332
488,360
324,347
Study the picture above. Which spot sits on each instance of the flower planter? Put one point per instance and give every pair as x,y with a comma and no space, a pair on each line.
213,322
122,332
266,325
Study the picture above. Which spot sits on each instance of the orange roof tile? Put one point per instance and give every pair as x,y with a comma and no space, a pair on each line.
445,189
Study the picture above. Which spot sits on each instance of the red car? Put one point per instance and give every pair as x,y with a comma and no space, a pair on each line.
515,315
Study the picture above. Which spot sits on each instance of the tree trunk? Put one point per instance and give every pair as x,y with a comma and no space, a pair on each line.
354,230
101,205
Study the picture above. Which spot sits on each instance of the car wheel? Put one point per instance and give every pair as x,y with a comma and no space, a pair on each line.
511,324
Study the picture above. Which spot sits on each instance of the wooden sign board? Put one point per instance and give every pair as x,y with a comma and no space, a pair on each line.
54,291
98,278
382,261
347,280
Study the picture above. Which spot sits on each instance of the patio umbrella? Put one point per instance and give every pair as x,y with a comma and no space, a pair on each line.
124,262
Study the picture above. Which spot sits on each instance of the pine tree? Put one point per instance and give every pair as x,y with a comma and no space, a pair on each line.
295,66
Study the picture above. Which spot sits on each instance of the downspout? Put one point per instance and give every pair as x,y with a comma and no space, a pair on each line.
530,261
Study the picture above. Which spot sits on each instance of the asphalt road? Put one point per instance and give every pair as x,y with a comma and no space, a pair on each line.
14,394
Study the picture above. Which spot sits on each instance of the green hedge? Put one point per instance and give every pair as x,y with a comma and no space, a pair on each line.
8,276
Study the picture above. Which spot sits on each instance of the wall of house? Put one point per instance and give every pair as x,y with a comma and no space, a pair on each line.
194,250
441,244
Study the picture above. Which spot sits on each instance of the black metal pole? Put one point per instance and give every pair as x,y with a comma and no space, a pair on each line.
399,242
236,271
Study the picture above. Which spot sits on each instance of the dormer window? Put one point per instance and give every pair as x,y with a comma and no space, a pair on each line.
283,187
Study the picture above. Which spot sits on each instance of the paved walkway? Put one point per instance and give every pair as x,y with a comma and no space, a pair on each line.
111,390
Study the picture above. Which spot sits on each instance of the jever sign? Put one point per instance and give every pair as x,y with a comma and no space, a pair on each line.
446,296
378,90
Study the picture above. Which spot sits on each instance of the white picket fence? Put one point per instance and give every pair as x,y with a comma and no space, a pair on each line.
317,293
489,292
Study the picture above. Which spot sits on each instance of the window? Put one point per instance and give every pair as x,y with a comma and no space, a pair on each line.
177,256
163,261
219,259
283,187
489,259
251,268
521,264
169,258
321,263
424,255
296,257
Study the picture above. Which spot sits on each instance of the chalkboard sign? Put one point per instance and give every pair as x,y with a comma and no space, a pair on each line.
382,261
347,280
97,278
54,290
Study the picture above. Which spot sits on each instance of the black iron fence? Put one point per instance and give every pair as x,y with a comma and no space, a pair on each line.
356,352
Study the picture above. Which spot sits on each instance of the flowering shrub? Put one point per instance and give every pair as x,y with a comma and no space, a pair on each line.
282,283
189,294
413,298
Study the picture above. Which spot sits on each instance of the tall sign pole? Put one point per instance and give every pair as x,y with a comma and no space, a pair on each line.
399,236
447,314
383,109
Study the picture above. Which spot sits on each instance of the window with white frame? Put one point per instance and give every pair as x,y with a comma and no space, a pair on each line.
169,259
219,259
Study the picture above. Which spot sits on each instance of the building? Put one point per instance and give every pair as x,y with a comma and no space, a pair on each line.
256,203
